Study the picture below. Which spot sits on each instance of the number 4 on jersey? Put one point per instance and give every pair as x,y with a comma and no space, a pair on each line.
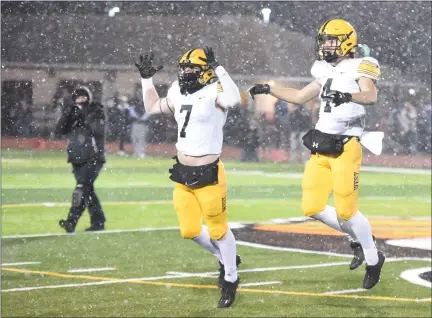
326,89
188,109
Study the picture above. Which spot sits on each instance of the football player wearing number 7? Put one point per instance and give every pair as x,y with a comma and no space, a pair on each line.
199,101
344,84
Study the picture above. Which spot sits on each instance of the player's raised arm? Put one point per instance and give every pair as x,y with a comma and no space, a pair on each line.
153,104
229,94
288,94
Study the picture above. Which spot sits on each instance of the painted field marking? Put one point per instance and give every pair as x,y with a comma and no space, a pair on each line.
19,264
256,245
259,269
246,290
412,275
116,203
297,250
150,229
260,283
89,270
183,274
425,299
346,291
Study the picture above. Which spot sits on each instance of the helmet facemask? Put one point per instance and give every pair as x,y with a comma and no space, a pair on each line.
329,47
190,78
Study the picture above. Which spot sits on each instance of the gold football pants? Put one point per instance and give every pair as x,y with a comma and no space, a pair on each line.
209,202
340,174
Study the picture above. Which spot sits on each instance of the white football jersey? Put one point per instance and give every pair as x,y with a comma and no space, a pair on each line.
200,122
347,118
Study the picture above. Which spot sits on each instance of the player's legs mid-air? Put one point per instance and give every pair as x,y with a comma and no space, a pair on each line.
340,174
192,204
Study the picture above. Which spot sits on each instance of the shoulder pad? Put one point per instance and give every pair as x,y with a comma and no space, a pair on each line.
318,70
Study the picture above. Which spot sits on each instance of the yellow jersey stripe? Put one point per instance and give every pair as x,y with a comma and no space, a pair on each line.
369,68
369,74
369,63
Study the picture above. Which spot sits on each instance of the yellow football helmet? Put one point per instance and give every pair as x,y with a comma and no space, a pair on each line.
335,38
191,81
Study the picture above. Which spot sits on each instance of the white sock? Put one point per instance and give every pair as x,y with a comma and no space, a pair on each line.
217,247
363,231
204,240
227,247
329,217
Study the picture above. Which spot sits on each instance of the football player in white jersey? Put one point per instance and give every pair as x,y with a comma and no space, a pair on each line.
344,84
199,101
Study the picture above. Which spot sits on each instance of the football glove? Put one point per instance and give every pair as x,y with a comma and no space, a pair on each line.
210,58
258,89
337,98
145,67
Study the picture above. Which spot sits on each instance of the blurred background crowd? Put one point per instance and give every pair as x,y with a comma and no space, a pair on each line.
50,47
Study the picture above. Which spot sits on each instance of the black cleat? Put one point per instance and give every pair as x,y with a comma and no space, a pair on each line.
68,226
221,278
228,293
373,272
94,227
358,254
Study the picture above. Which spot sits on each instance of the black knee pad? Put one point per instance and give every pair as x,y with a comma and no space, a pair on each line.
77,196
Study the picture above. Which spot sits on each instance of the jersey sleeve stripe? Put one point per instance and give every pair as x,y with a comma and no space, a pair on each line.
367,68
370,67
369,63
368,74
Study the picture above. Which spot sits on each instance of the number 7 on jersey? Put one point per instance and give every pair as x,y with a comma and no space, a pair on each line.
188,109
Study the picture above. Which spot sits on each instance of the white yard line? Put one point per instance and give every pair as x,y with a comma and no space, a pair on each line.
346,291
396,170
59,286
260,283
256,245
183,274
260,269
115,203
288,249
91,233
19,263
89,270
297,250
425,299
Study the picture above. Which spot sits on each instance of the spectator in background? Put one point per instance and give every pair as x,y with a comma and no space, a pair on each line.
408,124
110,104
394,129
299,121
24,122
282,124
247,128
123,123
139,130
424,123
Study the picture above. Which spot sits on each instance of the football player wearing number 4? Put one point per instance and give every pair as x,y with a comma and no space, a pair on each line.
344,84
199,101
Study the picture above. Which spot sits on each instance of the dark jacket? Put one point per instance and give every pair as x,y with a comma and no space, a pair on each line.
85,128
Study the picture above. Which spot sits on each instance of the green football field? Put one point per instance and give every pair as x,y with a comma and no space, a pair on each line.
141,267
